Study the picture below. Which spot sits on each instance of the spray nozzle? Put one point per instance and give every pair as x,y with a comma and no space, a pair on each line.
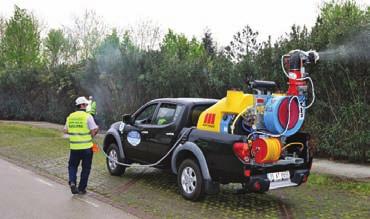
298,57
312,56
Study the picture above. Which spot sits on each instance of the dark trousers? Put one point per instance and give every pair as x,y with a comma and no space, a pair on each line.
75,157
95,119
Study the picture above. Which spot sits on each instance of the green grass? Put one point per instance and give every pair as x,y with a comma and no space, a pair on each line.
30,142
18,135
323,180
18,131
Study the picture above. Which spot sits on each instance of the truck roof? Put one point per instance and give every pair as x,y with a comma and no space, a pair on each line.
186,100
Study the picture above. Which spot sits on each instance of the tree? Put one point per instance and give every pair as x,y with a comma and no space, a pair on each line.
55,47
244,43
72,47
86,34
2,33
146,35
21,42
341,34
208,43
2,27
108,54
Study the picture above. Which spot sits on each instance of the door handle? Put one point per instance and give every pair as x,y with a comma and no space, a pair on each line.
170,134
144,132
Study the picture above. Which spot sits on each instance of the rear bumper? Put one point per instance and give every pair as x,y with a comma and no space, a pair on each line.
261,183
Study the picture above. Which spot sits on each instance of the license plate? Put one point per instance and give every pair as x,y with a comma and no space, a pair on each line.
278,176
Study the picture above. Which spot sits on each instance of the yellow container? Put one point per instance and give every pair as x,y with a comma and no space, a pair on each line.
234,103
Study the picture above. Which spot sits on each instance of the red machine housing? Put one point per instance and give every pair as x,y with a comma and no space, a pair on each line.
295,84
294,63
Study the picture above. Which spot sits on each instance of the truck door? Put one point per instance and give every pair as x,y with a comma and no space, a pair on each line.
135,134
161,134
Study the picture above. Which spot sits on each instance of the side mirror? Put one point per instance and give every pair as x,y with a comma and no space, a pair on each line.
127,119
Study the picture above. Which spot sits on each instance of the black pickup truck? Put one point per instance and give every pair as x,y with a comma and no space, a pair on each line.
165,130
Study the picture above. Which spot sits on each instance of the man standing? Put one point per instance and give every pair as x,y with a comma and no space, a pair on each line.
81,128
91,107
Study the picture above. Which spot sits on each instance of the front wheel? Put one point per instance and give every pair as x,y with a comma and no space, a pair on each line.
113,168
190,180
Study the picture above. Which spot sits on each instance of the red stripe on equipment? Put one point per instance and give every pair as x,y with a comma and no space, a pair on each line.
206,118
212,120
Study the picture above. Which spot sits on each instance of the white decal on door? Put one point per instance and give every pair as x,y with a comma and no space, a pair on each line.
134,138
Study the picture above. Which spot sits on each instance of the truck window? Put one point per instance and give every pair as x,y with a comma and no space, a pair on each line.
146,115
195,113
167,113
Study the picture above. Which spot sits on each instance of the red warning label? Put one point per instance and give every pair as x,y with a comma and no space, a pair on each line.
209,119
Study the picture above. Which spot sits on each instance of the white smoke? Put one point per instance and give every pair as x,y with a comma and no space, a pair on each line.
355,48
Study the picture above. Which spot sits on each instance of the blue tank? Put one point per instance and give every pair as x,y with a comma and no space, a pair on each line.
276,115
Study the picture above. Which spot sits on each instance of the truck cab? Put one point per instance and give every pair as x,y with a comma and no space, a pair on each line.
151,131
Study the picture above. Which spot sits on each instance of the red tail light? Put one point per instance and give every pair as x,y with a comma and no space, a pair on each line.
247,173
241,150
257,186
305,178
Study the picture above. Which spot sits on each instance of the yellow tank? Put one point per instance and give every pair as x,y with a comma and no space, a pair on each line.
234,103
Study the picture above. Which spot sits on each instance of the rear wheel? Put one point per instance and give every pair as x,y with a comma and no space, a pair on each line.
190,180
114,155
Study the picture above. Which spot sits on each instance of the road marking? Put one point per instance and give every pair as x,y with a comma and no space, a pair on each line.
89,202
44,182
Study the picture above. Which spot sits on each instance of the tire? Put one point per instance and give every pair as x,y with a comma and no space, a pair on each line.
113,168
190,180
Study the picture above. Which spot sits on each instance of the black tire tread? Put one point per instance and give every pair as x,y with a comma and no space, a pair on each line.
199,192
119,170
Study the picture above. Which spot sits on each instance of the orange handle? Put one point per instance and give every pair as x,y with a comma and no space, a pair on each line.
95,148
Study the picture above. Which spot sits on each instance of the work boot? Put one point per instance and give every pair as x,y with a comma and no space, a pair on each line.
74,189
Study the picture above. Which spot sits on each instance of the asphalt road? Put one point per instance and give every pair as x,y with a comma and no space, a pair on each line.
347,170
24,194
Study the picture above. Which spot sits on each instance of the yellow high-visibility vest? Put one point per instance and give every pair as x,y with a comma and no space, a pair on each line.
79,133
91,108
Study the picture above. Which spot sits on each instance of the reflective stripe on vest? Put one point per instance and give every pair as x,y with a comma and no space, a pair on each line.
79,133
87,133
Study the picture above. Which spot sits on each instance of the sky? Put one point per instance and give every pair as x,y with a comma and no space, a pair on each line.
191,17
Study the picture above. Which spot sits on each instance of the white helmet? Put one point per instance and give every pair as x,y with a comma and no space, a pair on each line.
81,100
